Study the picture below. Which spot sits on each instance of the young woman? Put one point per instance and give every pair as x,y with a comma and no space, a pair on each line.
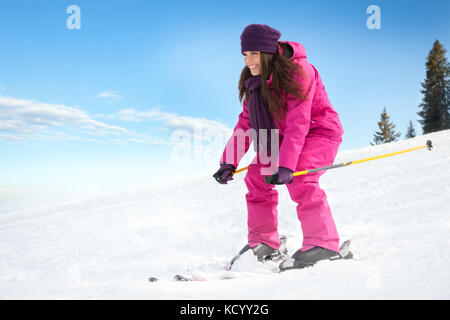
283,91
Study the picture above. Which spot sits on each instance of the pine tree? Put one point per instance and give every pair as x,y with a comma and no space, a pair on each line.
386,133
410,131
434,109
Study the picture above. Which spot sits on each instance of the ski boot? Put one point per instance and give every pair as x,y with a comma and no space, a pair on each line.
263,252
302,259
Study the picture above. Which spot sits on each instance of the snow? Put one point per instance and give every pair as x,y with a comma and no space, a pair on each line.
396,211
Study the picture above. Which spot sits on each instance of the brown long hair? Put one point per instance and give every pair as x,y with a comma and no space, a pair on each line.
283,70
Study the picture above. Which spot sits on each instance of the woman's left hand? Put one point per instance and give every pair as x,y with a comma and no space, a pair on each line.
282,176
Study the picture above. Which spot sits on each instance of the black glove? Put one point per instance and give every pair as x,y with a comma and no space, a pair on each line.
225,173
282,176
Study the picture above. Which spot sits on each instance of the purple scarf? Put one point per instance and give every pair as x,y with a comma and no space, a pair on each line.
258,110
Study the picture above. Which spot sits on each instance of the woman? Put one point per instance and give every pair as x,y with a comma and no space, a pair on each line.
284,92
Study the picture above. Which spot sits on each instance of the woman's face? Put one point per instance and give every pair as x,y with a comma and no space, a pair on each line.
252,60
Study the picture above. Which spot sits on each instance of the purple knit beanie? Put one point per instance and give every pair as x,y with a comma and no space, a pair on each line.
260,37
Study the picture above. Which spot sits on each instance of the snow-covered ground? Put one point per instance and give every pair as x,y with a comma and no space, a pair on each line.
395,209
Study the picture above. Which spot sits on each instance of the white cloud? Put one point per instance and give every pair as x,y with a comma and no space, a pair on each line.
29,120
173,121
22,116
108,95
11,138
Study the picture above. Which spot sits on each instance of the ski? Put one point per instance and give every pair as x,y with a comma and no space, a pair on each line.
178,277
227,273
193,277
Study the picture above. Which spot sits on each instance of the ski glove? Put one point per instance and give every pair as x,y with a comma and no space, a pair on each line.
225,173
282,176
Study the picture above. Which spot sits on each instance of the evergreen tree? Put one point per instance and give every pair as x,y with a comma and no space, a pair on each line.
386,133
411,131
434,109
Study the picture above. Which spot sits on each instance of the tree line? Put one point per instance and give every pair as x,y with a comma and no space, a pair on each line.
434,110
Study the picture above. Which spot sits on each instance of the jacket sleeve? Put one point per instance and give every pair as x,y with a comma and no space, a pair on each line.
298,118
240,140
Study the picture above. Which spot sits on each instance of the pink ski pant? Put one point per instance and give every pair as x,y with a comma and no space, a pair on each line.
313,211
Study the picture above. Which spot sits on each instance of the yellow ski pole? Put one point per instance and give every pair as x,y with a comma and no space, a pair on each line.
429,145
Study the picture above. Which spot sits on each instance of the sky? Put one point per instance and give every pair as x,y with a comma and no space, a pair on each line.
99,102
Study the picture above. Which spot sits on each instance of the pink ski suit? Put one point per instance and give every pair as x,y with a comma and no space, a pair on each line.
310,135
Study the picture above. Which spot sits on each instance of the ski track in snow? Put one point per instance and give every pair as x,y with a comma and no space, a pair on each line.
396,210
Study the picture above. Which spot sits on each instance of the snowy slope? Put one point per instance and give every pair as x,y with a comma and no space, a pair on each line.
396,210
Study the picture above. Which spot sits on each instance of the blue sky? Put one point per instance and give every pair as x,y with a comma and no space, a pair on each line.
89,111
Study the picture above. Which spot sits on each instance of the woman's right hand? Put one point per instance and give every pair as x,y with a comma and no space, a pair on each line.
225,173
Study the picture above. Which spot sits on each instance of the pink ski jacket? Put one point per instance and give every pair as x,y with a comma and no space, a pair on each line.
314,116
